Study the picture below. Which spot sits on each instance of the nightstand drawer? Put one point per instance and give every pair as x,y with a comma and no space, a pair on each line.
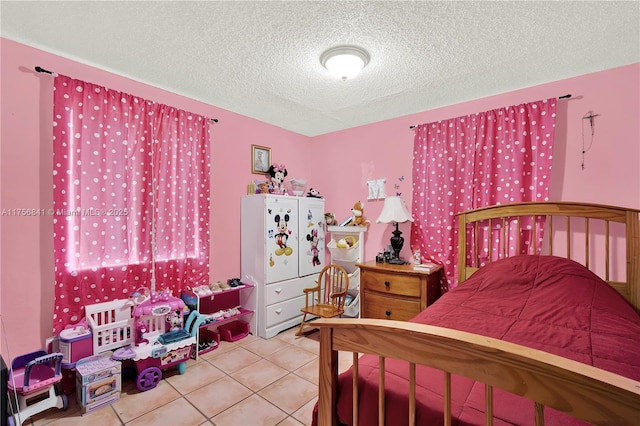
385,307
392,284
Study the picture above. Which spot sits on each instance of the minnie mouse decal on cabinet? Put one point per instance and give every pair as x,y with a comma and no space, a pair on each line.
315,251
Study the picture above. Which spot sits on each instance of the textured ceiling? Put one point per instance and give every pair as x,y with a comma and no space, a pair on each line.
261,59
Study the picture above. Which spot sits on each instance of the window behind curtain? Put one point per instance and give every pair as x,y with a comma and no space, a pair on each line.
493,157
131,197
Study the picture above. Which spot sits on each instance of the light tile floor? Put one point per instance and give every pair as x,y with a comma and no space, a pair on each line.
251,382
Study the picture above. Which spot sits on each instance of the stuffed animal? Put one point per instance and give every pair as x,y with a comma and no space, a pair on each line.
330,219
358,215
314,193
262,186
346,242
276,185
342,243
141,329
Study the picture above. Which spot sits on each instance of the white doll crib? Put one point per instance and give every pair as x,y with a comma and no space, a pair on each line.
111,323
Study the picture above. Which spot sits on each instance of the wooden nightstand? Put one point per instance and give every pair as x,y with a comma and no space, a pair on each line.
396,292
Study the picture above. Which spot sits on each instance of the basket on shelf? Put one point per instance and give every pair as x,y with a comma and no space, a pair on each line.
348,254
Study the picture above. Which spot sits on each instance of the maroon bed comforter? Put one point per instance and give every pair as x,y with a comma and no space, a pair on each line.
543,302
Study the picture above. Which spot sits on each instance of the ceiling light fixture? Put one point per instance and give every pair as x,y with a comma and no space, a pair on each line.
344,61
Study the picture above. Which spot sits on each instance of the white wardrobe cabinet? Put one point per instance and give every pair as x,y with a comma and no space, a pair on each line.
282,252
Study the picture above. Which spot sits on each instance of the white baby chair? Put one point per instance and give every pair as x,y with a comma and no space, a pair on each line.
31,380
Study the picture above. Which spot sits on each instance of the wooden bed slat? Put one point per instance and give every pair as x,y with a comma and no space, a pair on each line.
412,394
356,395
549,225
539,414
568,237
488,405
606,249
381,406
587,253
633,257
447,398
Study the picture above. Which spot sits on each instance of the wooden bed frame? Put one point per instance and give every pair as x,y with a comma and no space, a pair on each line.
580,390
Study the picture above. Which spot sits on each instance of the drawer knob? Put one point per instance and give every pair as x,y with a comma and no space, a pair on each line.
278,290
387,284
388,313
278,311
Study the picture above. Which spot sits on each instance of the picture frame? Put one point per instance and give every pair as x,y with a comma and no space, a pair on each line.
260,159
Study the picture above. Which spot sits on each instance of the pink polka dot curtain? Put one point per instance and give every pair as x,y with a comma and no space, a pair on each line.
131,197
494,157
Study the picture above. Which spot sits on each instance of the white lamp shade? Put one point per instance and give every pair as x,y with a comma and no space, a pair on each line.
394,210
344,62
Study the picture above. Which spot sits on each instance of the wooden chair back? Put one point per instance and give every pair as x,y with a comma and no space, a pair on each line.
327,298
334,283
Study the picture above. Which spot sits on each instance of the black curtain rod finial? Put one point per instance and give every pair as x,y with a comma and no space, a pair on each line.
213,120
42,70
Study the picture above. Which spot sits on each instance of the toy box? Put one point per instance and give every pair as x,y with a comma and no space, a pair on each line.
74,344
98,382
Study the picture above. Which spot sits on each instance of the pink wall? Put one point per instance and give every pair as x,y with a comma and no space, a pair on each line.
338,164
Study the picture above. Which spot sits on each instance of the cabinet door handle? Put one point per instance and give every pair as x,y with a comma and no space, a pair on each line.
387,284
278,311
278,290
388,313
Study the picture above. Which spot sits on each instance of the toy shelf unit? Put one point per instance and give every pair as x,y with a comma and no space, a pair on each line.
347,257
223,315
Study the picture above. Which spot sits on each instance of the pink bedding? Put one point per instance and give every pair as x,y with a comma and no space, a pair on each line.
543,302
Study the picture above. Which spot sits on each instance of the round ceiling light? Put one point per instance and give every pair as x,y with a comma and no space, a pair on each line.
344,61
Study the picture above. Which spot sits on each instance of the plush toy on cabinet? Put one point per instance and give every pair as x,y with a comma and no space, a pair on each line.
262,186
358,215
276,185
314,193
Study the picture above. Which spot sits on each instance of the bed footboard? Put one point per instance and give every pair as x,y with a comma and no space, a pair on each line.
582,391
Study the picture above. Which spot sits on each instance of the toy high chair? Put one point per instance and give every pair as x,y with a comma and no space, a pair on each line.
32,376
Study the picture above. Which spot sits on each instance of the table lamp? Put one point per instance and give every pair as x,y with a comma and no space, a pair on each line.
395,211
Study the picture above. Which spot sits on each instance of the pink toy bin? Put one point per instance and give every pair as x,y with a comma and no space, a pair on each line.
75,343
233,331
211,337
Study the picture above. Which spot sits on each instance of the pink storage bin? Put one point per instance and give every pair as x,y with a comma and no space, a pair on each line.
207,335
233,331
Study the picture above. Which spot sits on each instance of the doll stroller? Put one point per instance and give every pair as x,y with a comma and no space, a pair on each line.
32,379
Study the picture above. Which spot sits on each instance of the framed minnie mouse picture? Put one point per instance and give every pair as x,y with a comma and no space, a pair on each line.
260,159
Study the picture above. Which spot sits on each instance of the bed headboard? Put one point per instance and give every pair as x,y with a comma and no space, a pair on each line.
594,235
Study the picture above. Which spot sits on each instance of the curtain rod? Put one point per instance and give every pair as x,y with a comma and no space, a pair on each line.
55,74
567,96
